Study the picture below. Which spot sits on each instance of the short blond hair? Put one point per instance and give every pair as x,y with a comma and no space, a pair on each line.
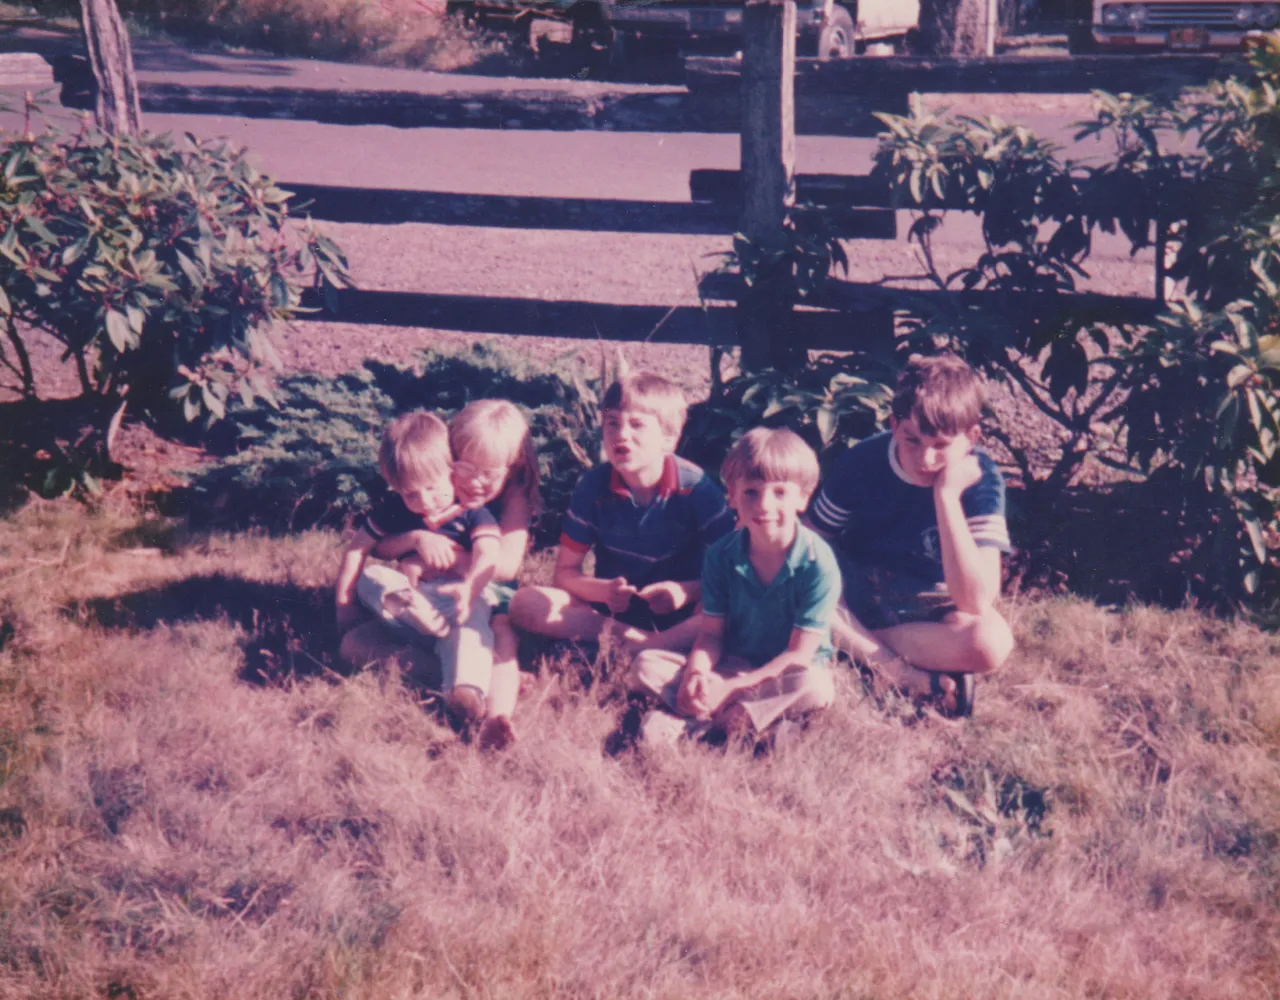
415,446
652,393
941,393
771,454
498,430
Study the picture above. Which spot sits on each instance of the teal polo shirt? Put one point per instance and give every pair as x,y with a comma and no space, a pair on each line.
759,619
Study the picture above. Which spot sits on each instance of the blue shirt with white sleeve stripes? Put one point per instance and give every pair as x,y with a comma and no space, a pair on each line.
880,519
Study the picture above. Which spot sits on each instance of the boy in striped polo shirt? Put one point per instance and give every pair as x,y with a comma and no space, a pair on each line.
917,516
648,515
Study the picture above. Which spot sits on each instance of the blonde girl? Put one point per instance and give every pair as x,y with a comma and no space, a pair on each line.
494,466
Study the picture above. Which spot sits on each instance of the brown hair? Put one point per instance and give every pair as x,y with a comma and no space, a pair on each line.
772,454
497,429
415,446
648,392
941,393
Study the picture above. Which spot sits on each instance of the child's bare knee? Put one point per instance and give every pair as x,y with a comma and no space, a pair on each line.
361,644
652,669
989,642
529,608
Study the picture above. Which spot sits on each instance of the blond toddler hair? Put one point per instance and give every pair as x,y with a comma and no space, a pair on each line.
494,431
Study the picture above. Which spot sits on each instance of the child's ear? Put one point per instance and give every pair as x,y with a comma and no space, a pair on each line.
974,434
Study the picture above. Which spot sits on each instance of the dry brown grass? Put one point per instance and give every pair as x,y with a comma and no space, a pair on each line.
169,829
389,32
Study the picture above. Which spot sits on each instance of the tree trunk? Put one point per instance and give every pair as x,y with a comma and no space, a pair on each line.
954,27
116,106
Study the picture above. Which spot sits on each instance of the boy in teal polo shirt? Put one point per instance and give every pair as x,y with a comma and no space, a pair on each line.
769,593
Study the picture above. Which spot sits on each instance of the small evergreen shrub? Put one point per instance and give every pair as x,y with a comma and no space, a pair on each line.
313,459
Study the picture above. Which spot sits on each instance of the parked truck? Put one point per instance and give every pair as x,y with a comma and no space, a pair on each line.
1178,25
604,31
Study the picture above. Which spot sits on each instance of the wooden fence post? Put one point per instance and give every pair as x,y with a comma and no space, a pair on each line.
116,106
768,154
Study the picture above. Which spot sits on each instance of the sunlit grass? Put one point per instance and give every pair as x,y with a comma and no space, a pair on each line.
389,32
170,826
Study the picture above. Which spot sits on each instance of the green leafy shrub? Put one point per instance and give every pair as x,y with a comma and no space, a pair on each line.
313,460
159,266
833,403
1184,396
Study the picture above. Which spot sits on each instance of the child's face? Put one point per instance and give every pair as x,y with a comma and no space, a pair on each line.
768,508
634,441
924,456
478,480
426,496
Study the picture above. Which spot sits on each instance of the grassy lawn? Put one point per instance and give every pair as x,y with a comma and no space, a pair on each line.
173,825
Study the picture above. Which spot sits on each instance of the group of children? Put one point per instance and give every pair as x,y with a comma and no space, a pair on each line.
729,601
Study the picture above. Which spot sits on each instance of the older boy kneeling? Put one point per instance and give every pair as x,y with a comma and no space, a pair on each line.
769,592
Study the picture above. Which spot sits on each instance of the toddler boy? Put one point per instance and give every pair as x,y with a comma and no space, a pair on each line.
918,517
769,591
648,516
415,461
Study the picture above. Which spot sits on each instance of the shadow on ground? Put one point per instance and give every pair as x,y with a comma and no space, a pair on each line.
289,630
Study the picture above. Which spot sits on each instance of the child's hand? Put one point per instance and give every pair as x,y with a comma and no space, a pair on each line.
961,470
619,595
412,567
664,597
695,697
439,552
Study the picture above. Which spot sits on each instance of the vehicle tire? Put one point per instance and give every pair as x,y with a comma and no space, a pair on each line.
836,40
1080,39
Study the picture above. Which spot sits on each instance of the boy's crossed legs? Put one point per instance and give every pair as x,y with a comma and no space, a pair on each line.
556,613
799,690
921,656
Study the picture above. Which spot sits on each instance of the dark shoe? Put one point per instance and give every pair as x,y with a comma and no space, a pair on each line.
957,704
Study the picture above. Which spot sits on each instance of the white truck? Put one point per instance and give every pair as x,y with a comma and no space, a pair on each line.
1178,25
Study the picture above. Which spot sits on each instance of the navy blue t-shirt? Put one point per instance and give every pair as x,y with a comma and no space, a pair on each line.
390,516
881,520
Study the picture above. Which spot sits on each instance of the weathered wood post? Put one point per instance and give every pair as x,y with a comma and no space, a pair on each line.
116,108
768,154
